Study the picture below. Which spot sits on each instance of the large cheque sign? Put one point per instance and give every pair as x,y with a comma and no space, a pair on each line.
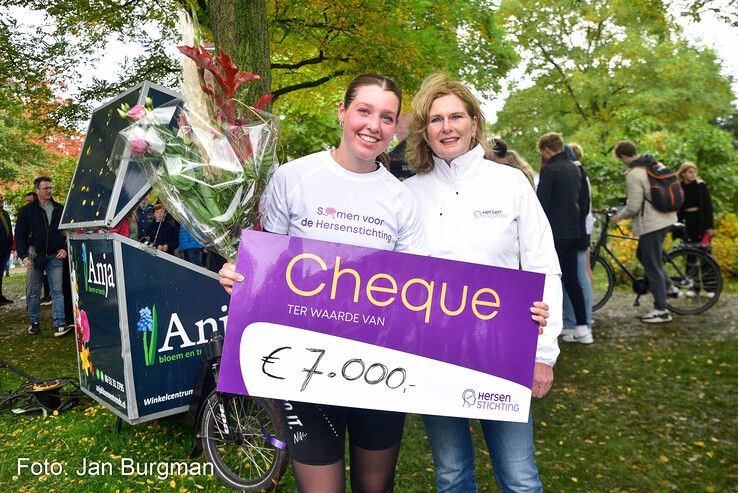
338,324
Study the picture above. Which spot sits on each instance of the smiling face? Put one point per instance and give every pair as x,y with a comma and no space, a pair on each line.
368,126
450,128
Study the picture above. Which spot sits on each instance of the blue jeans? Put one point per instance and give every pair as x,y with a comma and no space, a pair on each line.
53,268
569,319
510,449
193,256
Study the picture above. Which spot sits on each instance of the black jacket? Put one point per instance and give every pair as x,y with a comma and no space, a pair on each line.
558,192
696,194
6,240
33,229
163,233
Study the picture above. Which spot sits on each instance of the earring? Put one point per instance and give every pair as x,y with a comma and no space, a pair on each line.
340,123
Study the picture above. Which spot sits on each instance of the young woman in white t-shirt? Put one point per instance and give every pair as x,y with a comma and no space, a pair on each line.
319,196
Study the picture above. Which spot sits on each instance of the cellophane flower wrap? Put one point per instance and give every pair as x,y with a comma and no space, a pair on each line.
208,158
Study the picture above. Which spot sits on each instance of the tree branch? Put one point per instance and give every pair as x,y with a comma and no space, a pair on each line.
291,66
564,78
305,85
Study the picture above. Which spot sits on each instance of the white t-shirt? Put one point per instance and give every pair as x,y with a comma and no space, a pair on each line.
315,197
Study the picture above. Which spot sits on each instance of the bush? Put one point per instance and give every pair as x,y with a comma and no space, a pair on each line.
725,245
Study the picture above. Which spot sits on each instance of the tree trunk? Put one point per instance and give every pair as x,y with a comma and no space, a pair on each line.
240,29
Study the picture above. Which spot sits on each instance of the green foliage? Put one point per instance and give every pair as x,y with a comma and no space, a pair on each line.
306,131
645,409
405,40
316,47
603,71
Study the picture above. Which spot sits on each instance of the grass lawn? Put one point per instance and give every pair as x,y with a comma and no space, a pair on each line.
647,408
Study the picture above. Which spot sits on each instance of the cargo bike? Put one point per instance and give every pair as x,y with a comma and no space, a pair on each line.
149,326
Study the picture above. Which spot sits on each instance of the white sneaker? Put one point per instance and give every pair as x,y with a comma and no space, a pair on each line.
691,293
568,331
709,294
673,292
656,317
581,339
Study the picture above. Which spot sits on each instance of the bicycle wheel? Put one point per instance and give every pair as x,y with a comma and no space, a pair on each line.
603,282
242,455
698,278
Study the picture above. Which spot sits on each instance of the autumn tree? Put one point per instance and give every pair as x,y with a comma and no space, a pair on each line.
602,71
311,46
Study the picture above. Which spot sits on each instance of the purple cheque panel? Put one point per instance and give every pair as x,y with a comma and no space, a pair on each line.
413,305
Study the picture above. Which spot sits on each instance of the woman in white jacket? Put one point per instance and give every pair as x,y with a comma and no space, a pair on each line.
478,211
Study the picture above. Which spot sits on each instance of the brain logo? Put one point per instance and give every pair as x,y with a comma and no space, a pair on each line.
470,397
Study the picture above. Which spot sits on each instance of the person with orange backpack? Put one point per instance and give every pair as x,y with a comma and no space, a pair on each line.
648,206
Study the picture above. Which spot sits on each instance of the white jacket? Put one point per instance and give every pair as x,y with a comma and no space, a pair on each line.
482,212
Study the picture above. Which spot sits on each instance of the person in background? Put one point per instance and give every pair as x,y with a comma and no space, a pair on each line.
651,226
123,228
695,213
144,215
502,155
162,233
191,250
398,166
46,297
42,247
6,246
448,149
558,191
584,274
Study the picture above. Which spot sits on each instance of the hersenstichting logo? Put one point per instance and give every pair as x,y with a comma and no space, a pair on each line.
470,397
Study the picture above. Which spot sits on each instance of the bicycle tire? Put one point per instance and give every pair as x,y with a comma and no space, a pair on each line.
697,275
242,457
603,281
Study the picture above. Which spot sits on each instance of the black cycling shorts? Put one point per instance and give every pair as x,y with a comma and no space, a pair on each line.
316,433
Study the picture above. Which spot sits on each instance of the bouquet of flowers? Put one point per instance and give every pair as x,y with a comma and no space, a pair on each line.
207,158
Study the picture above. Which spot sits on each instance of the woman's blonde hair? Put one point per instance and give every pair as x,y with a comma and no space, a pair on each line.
516,161
418,153
577,150
686,167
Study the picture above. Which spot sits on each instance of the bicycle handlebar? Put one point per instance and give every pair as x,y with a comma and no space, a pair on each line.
609,211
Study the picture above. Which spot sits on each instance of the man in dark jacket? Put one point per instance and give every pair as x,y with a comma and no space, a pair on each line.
558,192
41,246
6,245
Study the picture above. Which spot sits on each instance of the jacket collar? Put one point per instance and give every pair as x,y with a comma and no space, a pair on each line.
461,168
558,157
643,160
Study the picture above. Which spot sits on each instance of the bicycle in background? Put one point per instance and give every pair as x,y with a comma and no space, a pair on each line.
696,282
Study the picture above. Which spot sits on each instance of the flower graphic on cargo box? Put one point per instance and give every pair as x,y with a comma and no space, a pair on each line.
147,326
